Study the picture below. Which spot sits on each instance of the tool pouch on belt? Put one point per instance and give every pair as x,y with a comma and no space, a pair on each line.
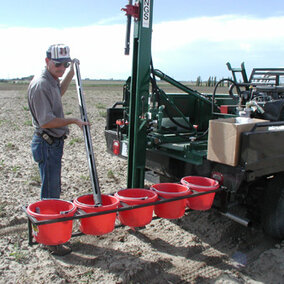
47,138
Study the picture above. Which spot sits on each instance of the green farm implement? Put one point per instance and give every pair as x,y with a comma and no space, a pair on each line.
234,137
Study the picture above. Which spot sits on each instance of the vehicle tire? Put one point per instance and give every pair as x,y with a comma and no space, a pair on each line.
273,207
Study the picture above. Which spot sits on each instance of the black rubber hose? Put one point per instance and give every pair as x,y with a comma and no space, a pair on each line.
216,87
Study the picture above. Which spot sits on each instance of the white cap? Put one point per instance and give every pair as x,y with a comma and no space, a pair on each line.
58,53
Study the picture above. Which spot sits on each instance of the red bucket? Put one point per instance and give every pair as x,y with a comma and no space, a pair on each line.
173,209
55,233
200,184
97,225
134,196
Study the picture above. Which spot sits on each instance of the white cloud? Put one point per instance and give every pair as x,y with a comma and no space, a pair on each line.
247,47
99,48
175,34
185,49
202,46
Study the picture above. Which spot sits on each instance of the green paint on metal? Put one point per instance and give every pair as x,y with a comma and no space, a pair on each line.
139,94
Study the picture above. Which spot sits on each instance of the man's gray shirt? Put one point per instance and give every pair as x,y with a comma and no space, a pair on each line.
45,103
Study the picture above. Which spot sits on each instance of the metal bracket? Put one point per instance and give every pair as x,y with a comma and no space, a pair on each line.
32,221
132,10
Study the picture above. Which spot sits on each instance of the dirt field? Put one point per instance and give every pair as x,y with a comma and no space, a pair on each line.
201,247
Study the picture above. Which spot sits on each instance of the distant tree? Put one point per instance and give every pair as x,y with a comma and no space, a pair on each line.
198,81
209,82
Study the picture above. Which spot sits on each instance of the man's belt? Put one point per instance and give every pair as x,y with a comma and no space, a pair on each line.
49,138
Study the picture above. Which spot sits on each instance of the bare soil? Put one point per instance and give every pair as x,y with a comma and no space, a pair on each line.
201,247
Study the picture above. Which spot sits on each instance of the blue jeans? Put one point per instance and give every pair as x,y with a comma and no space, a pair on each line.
49,159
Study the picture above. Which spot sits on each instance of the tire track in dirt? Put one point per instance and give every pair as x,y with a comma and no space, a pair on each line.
198,260
14,229
203,259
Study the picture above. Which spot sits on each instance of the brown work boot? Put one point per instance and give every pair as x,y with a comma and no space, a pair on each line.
59,250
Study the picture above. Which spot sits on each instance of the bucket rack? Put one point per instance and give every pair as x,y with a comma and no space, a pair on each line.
81,214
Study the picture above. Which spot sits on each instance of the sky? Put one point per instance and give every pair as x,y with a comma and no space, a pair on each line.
190,38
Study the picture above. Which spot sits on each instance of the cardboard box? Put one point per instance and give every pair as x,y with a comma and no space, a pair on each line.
224,138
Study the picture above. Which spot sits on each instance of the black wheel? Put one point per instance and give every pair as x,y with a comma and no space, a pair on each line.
273,207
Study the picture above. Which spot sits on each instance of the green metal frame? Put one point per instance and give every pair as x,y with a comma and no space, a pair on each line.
139,94
189,111
190,108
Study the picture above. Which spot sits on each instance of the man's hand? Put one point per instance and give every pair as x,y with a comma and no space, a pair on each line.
74,60
81,123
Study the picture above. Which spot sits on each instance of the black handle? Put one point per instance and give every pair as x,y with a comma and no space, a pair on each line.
265,124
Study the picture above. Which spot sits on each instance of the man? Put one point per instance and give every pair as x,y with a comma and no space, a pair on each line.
51,127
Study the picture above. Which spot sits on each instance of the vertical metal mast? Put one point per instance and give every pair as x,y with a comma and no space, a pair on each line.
128,27
139,94
88,139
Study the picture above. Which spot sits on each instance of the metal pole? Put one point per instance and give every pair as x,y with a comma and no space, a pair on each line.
88,139
242,221
128,28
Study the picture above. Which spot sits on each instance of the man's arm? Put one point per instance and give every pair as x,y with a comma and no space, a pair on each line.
60,122
67,79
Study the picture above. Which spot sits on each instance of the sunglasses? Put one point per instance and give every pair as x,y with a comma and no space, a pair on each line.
58,64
